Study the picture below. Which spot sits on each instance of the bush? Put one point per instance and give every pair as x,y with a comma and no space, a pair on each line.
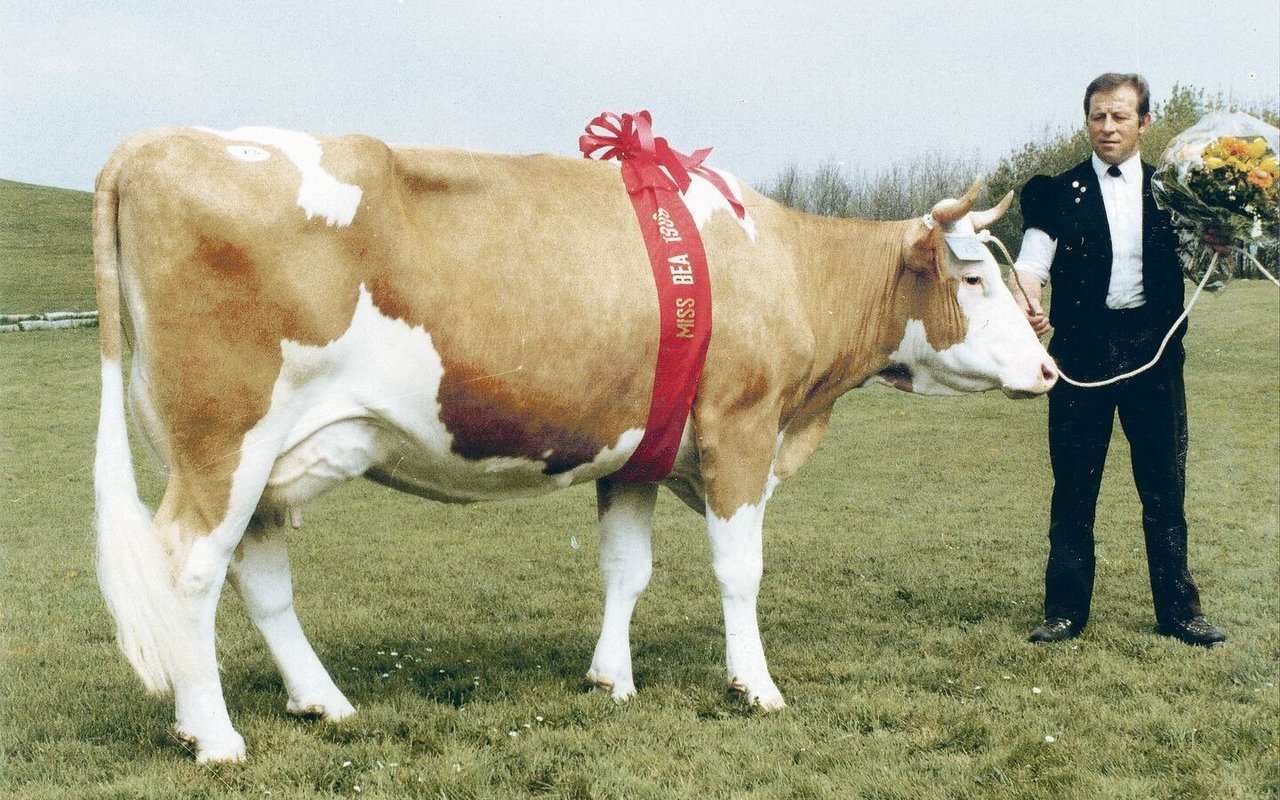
899,191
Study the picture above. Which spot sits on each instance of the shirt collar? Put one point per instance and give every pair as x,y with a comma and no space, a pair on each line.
1130,168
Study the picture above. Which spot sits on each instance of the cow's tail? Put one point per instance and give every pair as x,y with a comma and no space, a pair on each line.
133,570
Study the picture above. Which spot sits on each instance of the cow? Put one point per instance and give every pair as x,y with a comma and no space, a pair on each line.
306,310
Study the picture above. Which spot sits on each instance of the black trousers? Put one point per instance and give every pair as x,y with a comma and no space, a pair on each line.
1153,414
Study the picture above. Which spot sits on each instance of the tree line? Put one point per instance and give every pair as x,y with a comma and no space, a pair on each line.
907,189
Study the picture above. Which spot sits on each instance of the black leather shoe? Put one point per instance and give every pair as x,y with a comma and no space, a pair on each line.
1196,631
1053,629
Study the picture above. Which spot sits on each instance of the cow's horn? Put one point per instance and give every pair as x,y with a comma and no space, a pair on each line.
985,219
948,211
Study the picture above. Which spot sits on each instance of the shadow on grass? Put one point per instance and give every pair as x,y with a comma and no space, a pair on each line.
457,670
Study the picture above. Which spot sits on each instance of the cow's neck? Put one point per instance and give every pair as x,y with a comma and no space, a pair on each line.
850,272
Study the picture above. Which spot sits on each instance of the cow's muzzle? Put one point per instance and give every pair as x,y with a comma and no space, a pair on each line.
1048,377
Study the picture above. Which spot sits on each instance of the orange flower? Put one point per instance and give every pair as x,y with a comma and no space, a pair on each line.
1234,147
1260,178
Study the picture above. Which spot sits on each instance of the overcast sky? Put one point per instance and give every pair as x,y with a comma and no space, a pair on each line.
766,83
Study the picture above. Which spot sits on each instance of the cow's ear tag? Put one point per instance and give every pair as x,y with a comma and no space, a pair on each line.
966,247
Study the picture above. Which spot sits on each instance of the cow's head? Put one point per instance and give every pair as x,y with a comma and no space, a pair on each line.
963,332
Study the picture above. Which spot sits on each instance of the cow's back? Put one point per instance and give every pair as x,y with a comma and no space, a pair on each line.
526,277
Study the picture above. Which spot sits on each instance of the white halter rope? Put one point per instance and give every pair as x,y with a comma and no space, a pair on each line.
986,236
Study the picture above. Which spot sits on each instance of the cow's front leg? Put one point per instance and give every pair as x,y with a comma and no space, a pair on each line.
260,572
626,563
737,553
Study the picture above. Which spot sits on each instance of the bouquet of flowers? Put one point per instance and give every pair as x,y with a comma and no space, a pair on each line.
1220,181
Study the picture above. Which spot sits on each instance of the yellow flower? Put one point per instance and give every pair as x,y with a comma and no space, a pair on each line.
1257,148
1213,162
1268,164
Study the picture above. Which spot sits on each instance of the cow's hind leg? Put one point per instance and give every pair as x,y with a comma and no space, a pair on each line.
202,721
260,573
203,516
626,563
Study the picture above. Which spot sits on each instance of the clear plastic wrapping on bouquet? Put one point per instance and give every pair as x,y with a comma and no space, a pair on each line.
1219,181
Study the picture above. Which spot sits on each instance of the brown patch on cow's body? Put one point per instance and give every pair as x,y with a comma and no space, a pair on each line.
515,311
488,419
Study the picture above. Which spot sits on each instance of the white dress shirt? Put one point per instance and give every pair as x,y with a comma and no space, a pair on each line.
1122,199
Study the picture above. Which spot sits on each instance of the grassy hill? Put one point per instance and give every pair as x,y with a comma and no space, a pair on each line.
46,253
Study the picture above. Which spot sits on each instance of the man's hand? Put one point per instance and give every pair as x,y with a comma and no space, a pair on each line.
1026,293
1217,241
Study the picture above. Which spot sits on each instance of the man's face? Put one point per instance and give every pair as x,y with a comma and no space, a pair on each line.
1115,124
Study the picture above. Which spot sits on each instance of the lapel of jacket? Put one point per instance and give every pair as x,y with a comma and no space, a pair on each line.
1083,199
1091,205
1161,269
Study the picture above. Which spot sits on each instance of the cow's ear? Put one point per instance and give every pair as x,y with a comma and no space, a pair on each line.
921,248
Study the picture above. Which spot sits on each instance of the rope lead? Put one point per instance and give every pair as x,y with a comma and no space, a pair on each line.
987,236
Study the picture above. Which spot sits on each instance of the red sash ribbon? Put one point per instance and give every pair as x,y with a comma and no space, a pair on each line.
654,176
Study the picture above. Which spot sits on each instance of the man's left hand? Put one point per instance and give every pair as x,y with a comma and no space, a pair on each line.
1216,241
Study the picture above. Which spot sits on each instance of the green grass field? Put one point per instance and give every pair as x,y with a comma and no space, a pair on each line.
45,249
903,571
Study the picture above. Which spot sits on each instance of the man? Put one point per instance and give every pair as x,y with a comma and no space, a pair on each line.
1095,232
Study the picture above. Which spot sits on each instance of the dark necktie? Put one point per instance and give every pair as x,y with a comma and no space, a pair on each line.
1114,171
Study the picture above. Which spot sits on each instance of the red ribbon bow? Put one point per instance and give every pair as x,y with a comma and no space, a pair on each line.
647,160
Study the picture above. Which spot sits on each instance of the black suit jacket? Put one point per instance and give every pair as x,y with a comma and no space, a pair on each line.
1069,208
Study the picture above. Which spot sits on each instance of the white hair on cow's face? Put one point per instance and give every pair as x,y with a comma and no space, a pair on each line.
997,345
998,342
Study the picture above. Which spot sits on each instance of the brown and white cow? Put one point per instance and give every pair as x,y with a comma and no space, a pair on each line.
463,326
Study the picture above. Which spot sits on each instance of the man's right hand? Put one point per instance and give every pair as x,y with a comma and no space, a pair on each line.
1036,316
1026,293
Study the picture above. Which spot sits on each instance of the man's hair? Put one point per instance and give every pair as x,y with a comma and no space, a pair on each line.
1110,81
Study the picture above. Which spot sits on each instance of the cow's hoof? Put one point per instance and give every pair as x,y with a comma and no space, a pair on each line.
225,749
620,690
331,711
762,695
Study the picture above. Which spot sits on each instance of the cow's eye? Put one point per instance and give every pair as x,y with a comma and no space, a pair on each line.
973,280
